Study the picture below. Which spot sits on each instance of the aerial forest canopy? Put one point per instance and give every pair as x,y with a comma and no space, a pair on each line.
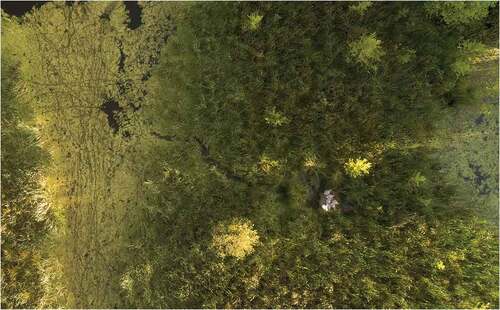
250,155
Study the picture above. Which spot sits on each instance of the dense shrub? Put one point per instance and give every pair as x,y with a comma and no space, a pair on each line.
268,104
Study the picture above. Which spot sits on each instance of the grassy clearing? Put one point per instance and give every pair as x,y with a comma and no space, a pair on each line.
96,201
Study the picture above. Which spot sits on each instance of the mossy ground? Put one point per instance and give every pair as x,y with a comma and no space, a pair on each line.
467,138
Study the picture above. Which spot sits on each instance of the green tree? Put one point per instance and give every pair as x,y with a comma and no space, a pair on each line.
367,50
460,12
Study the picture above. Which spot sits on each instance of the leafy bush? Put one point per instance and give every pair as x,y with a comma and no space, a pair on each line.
358,167
236,238
367,50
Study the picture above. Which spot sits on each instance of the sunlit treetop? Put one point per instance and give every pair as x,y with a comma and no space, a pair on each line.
459,12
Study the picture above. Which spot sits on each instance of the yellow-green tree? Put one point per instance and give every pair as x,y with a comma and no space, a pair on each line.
236,238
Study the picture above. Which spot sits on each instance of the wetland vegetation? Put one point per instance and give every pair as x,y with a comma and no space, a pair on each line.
250,155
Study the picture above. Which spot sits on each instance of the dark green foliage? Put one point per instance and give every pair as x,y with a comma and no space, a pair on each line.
281,91
263,104
387,254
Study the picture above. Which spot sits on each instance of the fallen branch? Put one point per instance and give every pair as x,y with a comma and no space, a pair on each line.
205,154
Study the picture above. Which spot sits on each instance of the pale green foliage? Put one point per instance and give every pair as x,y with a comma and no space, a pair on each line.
275,118
56,293
268,165
468,52
367,50
136,283
357,167
440,265
127,283
361,7
312,162
461,67
459,12
236,238
417,180
254,20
